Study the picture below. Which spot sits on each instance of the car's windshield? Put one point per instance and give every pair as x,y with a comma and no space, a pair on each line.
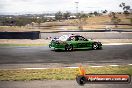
63,38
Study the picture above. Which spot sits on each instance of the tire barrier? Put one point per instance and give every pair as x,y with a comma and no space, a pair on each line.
20,35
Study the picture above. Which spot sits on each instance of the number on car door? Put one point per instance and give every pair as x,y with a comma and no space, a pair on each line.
81,42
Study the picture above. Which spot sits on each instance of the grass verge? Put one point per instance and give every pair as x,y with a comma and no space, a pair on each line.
59,73
23,44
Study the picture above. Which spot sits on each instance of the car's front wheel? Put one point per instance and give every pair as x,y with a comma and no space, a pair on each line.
68,47
95,46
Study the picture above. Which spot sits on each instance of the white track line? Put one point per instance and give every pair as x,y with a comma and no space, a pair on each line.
129,64
34,68
96,66
53,68
71,67
45,68
114,65
68,67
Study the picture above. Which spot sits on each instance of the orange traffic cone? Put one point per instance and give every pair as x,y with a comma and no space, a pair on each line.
82,70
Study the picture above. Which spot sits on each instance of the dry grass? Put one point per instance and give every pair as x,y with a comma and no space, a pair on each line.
98,20
106,19
59,73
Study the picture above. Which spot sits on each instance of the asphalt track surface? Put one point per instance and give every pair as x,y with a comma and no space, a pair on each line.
110,54
57,84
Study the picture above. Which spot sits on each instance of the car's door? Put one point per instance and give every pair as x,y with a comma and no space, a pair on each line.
81,42
72,40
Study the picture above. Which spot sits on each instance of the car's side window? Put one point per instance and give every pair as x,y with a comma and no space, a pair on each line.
72,38
80,38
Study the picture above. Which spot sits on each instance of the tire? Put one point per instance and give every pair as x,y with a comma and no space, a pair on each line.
68,48
81,80
95,46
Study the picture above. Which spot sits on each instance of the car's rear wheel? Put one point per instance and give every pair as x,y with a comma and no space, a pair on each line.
68,47
95,46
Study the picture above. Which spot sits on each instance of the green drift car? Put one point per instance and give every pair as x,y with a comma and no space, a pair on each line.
72,42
